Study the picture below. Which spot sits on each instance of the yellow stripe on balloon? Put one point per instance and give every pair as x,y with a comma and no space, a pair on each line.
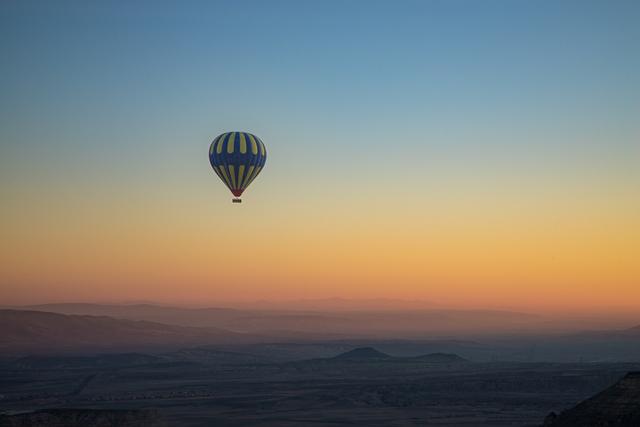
220,143
243,143
250,177
240,175
254,145
231,144
262,149
247,177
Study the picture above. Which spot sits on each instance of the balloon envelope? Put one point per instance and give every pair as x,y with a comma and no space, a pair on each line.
237,158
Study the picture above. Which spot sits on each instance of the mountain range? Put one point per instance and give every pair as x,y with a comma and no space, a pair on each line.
304,334
33,331
370,354
390,323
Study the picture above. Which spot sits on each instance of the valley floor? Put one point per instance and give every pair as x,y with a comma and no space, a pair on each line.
320,392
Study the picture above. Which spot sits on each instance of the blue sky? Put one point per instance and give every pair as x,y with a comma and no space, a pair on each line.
103,82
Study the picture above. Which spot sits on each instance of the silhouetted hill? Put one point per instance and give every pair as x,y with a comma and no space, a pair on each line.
34,331
441,358
363,354
617,406
370,354
84,418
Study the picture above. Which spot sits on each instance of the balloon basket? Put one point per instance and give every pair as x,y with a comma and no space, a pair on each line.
236,200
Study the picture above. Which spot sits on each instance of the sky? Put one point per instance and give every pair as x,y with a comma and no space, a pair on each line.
474,154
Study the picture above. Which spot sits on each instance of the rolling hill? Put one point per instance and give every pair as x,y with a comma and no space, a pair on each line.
440,358
371,355
35,331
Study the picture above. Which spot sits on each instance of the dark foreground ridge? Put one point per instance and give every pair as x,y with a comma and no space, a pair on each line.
84,418
617,406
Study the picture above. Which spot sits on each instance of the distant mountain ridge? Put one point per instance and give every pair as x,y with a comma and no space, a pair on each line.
339,304
25,331
353,320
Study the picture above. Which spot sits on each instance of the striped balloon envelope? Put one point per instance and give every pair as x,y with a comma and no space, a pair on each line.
237,158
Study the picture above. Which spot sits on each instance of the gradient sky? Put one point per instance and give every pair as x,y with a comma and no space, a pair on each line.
473,153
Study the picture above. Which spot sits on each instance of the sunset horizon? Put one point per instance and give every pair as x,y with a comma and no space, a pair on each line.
341,212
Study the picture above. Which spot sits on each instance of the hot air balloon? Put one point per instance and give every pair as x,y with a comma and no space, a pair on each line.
237,158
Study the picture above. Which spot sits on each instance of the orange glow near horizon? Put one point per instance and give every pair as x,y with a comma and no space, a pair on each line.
520,252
